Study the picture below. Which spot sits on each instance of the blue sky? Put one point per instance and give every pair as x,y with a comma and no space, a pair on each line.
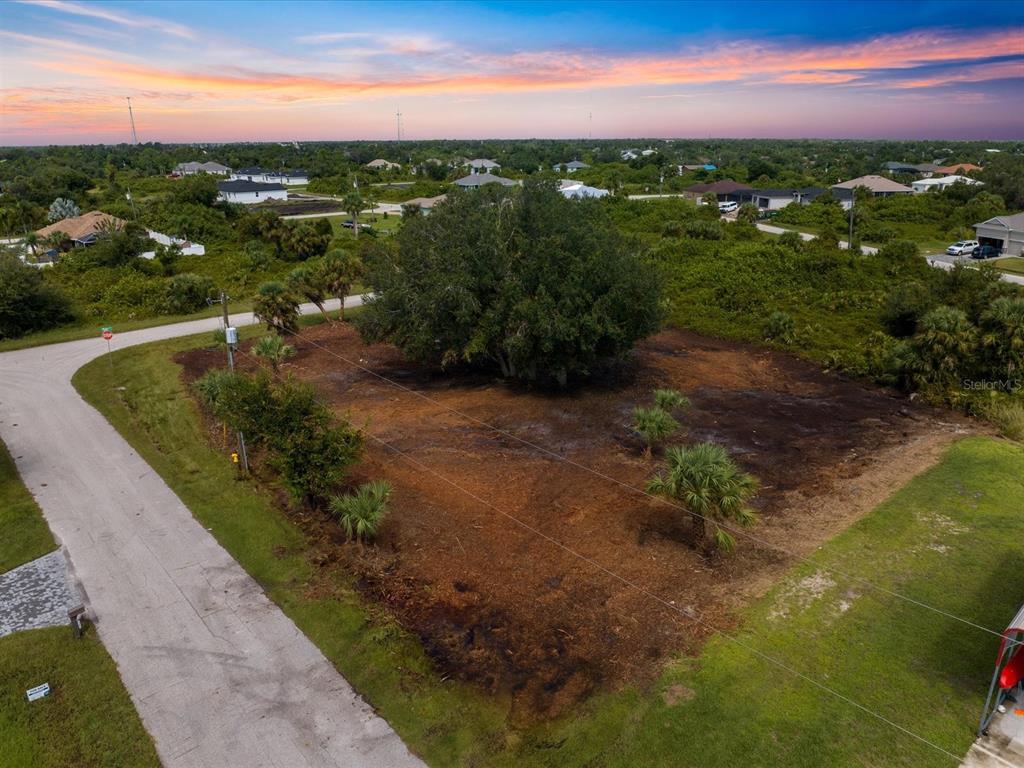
265,70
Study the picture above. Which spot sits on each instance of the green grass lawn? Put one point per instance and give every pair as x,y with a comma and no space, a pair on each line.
87,721
950,538
24,535
1013,264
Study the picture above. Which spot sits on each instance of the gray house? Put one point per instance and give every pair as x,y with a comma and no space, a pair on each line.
477,180
1006,232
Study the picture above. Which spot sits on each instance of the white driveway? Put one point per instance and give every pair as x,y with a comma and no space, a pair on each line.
220,676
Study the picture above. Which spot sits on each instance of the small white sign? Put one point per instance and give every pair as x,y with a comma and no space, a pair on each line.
38,692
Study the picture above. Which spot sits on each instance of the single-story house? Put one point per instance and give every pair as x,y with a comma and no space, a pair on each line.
940,182
480,164
1006,232
187,247
776,199
266,176
924,169
84,229
629,154
879,186
575,165
426,204
192,168
721,189
380,164
960,168
250,192
579,190
477,180
697,167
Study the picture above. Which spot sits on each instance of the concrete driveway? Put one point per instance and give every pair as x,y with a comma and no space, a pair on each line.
220,676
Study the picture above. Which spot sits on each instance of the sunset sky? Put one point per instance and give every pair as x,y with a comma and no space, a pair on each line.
205,71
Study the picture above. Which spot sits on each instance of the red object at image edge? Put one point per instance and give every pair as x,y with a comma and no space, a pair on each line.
1013,672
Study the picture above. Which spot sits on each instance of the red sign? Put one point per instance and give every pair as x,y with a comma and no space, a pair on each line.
108,335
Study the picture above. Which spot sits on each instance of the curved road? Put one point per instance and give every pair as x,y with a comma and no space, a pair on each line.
220,676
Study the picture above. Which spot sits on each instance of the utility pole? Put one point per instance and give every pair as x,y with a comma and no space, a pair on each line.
231,340
131,116
398,123
853,201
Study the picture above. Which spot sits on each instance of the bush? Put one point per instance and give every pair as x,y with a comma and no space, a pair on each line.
780,327
905,305
1008,416
362,512
26,302
188,293
704,230
276,306
654,425
526,280
670,399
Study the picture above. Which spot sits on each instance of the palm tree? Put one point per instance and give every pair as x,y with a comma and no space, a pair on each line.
711,486
273,350
353,204
337,272
1003,324
305,281
654,425
670,399
276,306
362,512
944,346
31,242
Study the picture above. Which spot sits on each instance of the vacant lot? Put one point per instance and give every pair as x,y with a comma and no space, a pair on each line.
500,607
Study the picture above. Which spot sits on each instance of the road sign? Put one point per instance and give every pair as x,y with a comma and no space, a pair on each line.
108,332
38,692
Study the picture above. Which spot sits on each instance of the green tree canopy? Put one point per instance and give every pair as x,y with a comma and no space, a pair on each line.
539,285
26,302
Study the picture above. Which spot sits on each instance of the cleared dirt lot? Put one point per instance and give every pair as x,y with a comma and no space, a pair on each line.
500,606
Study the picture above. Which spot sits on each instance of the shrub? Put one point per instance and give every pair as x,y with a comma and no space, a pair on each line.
943,350
780,327
705,480
1008,416
188,293
905,305
276,306
791,240
670,399
27,303
704,230
273,350
654,425
362,512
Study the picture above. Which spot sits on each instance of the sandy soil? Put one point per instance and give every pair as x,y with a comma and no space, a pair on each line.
498,605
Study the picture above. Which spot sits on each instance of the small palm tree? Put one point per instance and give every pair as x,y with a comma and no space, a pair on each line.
276,306
273,350
654,425
1003,323
353,205
362,512
337,272
670,399
711,486
305,281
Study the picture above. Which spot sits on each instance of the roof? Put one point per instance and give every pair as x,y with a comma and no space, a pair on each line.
243,185
960,168
946,181
1014,221
479,179
78,227
426,202
785,192
257,171
483,163
874,183
724,187
575,165
381,163
286,172
896,166
582,190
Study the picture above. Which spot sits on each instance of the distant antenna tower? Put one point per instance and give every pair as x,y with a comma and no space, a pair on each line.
590,125
131,116
398,123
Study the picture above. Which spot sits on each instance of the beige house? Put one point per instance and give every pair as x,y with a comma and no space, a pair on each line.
879,186
1005,232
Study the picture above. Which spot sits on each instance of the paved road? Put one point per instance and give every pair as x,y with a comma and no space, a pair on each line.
220,676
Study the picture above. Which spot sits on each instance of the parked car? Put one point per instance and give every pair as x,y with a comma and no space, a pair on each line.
985,252
962,247
728,207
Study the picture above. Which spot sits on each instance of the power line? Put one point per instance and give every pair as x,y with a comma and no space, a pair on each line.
597,473
690,614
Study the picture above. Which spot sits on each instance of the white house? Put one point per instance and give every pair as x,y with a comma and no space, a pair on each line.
192,168
250,192
1006,232
940,183
481,165
187,248
267,176
580,190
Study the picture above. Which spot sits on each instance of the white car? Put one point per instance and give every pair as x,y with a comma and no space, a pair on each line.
962,247
728,207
